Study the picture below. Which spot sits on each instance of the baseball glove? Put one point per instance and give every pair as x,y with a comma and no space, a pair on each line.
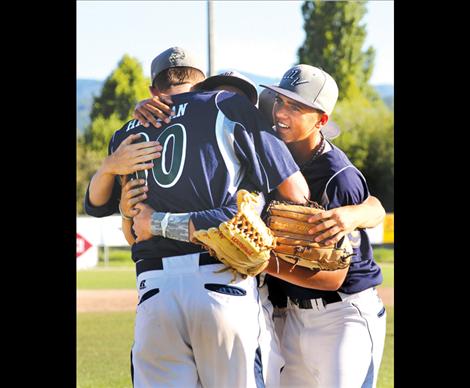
243,243
288,222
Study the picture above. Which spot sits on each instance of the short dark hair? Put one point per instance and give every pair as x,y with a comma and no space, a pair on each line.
177,76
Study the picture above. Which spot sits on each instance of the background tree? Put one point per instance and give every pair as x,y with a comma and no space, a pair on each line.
88,161
121,90
367,130
333,42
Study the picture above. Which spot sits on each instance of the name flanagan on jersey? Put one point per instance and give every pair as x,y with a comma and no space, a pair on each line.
178,110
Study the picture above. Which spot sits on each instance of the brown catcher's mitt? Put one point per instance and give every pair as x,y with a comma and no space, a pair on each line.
288,222
243,243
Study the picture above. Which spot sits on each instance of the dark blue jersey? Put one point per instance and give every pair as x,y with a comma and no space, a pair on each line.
216,143
334,181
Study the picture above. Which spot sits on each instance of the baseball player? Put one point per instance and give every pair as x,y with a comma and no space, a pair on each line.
134,192
335,327
188,330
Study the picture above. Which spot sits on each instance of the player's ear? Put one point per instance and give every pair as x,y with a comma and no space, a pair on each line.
153,91
323,119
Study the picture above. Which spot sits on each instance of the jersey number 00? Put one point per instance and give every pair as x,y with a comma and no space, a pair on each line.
168,168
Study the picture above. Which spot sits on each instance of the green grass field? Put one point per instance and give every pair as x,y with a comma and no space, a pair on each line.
120,272
104,341
122,256
124,277
106,278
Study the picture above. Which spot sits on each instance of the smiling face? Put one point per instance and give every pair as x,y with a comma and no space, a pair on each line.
295,121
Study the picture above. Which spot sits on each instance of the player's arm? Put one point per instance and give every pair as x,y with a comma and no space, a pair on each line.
178,226
127,159
126,225
133,192
294,188
331,225
304,277
347,188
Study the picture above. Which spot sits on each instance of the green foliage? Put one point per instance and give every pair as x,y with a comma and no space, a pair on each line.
333,42
367,130
88,161
123,88
100,131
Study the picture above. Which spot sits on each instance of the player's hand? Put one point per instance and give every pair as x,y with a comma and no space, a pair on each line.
143,222
129,158
147,111
332,225
133,191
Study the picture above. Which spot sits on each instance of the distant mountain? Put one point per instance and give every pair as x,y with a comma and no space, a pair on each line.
385,90
387,93
257,79
87,88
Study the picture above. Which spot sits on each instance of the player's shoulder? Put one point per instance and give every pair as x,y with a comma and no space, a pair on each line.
337,158
203,95
226,99
240,109
345,184
339,168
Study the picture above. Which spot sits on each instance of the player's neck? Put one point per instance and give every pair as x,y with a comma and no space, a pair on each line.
303,150
178,89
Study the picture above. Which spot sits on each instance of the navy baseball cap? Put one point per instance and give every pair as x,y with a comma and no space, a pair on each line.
174,57
310,86
266,101
233,78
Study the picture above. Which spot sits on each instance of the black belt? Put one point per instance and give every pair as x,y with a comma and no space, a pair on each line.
307,303
157,263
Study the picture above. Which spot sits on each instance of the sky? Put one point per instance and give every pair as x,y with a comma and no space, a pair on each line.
258,37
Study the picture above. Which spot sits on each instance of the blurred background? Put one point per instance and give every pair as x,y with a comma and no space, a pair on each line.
116,42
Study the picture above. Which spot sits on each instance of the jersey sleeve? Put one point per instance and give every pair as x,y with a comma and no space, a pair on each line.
347,187
109,208
112,206
206,219
257,146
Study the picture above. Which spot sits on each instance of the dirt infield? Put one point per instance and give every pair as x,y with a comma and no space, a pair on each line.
126,300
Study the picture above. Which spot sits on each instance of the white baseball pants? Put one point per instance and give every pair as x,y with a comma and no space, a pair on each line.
339,345
194,328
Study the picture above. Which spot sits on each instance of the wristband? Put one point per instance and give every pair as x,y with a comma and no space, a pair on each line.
170,225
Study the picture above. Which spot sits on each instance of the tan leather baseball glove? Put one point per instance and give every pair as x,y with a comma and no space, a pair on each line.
243,243
288,222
